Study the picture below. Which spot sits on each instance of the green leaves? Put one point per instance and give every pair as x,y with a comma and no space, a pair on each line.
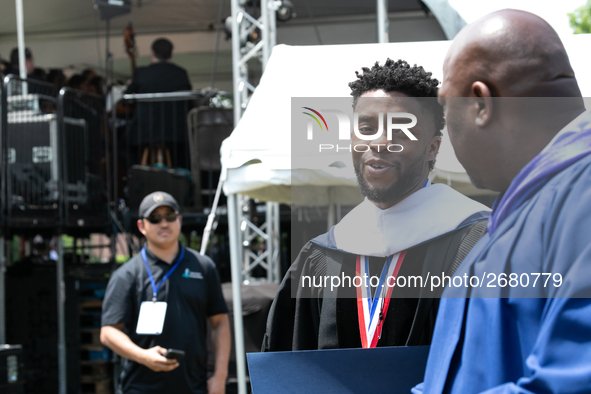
580,19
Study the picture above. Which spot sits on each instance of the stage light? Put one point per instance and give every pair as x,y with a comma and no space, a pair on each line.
252,33
228,27
285,11
112,8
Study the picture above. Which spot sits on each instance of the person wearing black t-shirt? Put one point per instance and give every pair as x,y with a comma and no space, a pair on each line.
161,299
161,125
161,75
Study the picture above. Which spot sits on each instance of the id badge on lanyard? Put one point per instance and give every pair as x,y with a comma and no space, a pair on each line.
153,313
151,319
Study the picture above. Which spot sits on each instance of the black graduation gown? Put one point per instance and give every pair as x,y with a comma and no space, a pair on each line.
328,320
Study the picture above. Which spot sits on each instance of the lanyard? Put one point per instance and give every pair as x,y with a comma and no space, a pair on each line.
370,321
154,286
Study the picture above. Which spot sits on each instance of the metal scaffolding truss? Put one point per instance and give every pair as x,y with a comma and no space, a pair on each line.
242,234
252,38
260,243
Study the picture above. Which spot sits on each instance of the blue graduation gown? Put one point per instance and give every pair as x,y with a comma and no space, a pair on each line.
495,341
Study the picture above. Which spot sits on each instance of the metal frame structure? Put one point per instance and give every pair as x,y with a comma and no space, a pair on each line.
250,233
60,223
141,97
60,276
383,23
60,282
3,123
242,229
243,25
2,290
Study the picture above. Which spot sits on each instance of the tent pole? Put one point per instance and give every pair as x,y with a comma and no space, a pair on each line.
211,217
236,263
383,24
109,56
270,241
277,243
331,208
265,33
61,317
2,292
236,77
272,20
20,32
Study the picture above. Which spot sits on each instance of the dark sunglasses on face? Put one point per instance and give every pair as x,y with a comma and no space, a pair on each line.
169,217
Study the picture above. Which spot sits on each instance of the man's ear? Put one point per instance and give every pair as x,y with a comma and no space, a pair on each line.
140,226
484,100
433,148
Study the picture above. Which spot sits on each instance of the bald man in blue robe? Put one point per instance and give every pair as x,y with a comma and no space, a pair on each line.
519,126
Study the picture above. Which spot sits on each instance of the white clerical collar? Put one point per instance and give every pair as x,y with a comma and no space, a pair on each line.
426,214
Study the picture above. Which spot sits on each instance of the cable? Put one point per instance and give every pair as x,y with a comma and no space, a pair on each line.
214,65
98,39
118,226
313,22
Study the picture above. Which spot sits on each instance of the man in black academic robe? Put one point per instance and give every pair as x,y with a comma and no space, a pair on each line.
405,228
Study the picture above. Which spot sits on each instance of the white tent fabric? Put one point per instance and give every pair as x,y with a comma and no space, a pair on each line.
257,157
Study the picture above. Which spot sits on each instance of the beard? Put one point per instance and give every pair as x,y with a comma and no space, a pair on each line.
407,180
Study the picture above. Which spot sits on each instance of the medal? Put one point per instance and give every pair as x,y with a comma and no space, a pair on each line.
371,311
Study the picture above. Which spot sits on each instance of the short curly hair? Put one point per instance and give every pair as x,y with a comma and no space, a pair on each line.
400,77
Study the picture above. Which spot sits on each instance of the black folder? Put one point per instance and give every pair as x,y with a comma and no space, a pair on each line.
380,370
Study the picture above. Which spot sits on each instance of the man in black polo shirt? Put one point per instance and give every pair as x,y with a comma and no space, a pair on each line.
160,300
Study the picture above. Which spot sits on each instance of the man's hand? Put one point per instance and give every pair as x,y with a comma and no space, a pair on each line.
216,385
154,359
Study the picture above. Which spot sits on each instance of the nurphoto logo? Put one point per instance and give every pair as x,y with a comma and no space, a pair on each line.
344,129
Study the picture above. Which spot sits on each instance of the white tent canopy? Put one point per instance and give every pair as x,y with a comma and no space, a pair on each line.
257,157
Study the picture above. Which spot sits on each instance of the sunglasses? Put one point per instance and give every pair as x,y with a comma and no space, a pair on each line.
169,217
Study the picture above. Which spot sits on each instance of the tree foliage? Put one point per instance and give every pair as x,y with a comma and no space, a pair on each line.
580,19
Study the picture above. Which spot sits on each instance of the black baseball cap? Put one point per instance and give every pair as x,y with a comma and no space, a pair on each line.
155,200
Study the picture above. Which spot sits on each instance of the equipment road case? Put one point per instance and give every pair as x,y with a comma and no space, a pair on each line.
11,361
34,171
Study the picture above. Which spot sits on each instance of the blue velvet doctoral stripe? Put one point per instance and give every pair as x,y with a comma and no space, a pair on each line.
564,152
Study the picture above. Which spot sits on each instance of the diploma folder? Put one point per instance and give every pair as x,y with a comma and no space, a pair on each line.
379,370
